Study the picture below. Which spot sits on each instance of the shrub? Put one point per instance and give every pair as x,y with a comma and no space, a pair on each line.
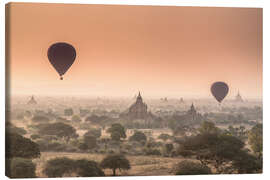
150,151
57,167
18,130
87,168
40,119
60,130
35,136
138,136
20,168
117,131
164,137
76,119
19,146
93,132
83,146
68,112
90,141
191,168
168,149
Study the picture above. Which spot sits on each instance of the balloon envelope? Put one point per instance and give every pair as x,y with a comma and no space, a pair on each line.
61,55
219,90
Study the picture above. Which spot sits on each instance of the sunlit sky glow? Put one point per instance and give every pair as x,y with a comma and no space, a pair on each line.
162,51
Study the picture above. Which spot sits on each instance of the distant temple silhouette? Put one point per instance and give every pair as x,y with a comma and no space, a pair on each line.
32,101
182,100
138,110
193,115
238,98
164,99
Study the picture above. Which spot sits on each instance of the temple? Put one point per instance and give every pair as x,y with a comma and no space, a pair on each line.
32,101
238,98
138,110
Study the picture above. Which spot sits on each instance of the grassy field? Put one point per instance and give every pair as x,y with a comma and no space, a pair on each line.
140,165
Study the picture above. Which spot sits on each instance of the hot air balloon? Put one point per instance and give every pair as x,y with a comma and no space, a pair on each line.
61,55
219,90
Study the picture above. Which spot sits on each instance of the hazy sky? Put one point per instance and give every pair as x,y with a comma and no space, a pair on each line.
162,51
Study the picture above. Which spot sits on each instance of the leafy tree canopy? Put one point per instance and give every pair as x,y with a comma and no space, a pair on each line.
117,128
114,162
93,132
40,119
191,168
255,139
58,167
138,136
60,130
20,168
19,146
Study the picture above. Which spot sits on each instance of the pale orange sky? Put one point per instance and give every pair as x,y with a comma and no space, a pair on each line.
162,51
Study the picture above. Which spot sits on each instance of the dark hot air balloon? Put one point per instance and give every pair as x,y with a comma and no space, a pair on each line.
61,55
219,90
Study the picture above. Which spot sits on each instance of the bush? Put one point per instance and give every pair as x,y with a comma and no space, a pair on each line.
191,168
83,146
183,152
93,132
57,167
76,119
35,136
150,151
20,168
60,130
168,149
87,168
90,141
164,137
68,112
19,146
40,119
138,136
18,130
117,131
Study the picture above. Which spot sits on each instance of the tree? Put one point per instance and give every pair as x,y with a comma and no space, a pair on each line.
168,148
245,163
68,112
20,168
90,141
58,167
191,168
13,129
19,146
86,168
138,136
208,127
164,137
114,162
215,149
76,119
93,132
117,131
27,114
255,139
40,119
35,136
60,130
93,118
